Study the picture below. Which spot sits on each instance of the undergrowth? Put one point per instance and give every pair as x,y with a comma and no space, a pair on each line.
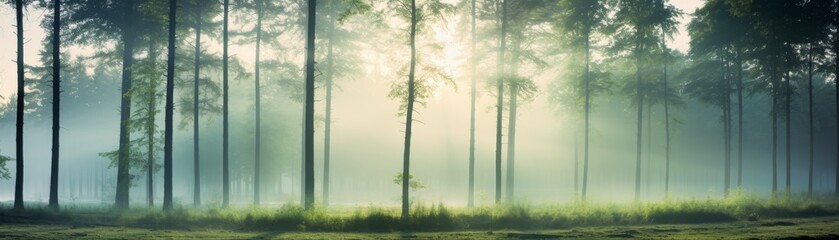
437,217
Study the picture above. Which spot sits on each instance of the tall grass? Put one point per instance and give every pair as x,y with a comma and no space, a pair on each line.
437,217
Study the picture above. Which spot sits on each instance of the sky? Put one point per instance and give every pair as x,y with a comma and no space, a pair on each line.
34,34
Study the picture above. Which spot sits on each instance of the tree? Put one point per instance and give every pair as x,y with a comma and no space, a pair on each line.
635,34
56,101
309,146
470,202
18,205
502,42
170,85
225,151
578,21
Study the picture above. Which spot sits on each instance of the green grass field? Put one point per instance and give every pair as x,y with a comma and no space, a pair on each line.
739,216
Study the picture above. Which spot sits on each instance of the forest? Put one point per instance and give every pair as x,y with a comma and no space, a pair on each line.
386,119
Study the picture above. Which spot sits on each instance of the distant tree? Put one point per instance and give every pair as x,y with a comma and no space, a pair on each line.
636,31
500,98
4,171
225,151
470,202
577,21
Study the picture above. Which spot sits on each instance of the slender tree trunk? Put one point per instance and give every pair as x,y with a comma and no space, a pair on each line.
810,118
666,128
409,114
328,110
774,93
726,121
500,101
576,165
225,110
56,100
640,93
587,126
123,177
473,67
196,168
150,127
788,117
170,94
310,108
511,143
257,97
20,108
739,119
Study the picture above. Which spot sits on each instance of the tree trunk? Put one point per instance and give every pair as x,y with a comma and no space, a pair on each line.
56,101
309,181
409,113
639,92
328,110
774,93
511,144
500,101
587,123
170,93
123,177
788,117
225,110
196,197
150,127
666,128
20,108
810,118
739,119
727,122
257,97
471,199
836,85
648,174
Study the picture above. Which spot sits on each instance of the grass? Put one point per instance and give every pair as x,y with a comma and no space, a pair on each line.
439,218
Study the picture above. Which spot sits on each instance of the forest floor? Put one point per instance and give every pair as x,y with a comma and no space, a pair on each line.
788,228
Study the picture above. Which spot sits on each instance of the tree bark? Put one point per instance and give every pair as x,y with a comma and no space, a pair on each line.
225,110
328,109
406,164
666,128
500,101
56,101
639,92
20,108
309,180
587,126
788,117
196,169
150,128
810,119
739,118
257,97
123,177
170,93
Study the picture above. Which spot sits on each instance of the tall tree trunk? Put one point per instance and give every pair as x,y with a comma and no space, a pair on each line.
576,165
836,86
225,110
788,117
587,123
328,111
123,177
640,93
409,114
511,128
726,121
774,92
170,93
473,67
810,118
150,127
196,169
257,97
739,118
56,100
648,174
666,128
310,108
20,108
500,101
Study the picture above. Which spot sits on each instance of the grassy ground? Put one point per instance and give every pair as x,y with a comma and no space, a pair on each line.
822,227
740,215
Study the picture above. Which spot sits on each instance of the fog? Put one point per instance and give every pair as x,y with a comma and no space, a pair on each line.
367,133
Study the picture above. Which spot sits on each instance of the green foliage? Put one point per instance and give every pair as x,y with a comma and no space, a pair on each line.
4,171
412,184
